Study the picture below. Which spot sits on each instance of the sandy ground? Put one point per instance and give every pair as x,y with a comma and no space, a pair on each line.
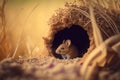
49,68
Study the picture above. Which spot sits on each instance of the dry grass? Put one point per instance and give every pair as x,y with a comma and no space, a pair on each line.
105,12
102,22
5,46
100,18
24,48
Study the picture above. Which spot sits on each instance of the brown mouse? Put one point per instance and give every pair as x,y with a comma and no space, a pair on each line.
67,50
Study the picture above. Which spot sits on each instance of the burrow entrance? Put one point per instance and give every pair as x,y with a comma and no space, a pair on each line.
78,37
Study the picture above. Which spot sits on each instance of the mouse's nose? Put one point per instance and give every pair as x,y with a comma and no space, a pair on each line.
58,51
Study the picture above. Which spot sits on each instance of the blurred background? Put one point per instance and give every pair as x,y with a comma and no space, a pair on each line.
27,22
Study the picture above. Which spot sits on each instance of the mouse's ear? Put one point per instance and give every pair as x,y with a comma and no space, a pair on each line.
68,42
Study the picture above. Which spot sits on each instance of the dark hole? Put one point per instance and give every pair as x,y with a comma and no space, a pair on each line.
78,37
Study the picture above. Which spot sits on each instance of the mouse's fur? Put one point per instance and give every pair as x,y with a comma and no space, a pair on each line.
67,50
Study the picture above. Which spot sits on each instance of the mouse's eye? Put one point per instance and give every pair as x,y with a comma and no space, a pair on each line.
62,48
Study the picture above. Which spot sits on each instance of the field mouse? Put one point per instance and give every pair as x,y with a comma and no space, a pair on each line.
67,50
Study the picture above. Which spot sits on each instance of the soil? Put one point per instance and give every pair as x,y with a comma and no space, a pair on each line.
49,68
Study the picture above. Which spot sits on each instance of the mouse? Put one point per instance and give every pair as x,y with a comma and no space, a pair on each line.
67,50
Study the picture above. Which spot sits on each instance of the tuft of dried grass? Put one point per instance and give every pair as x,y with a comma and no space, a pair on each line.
106,14
5,46
107,23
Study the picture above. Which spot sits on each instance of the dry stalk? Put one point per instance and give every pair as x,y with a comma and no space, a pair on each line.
5,46
106,53
99,58
96,31
29,51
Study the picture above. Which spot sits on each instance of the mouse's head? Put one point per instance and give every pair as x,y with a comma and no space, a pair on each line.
64,47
